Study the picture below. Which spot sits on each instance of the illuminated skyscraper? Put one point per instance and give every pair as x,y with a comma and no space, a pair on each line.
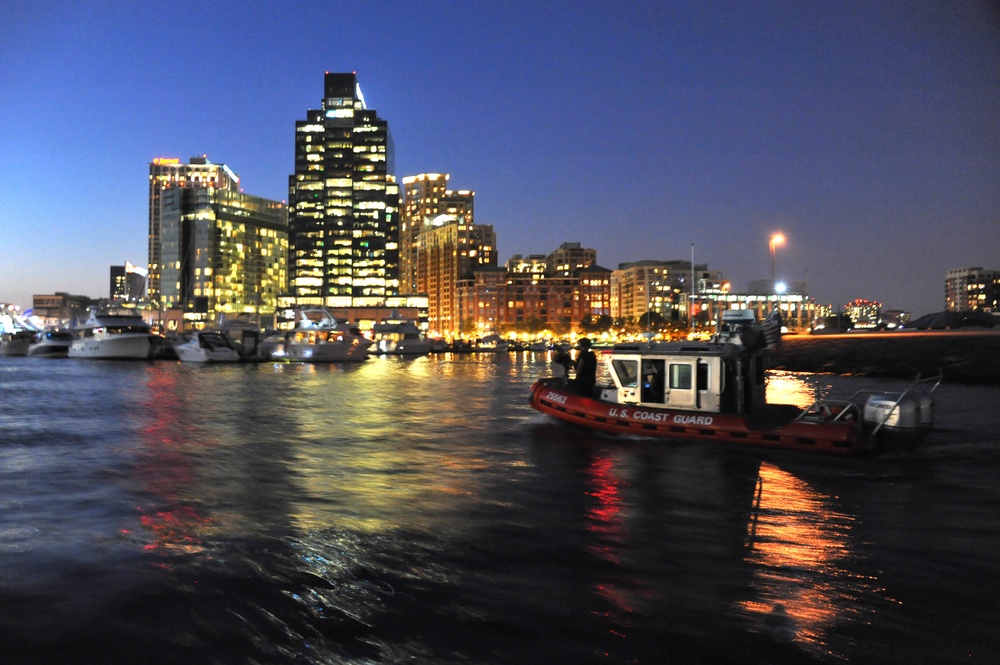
167,173
425,198
343,203
449,250
421,201
224,253
128,282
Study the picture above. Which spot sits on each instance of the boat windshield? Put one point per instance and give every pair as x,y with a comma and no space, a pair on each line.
212,340
627,372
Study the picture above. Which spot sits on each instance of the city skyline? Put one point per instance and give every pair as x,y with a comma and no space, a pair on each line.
867,136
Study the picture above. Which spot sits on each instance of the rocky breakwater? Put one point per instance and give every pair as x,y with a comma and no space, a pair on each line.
963,357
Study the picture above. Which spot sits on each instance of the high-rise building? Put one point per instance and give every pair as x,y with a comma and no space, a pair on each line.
343,203
534,294
864,313
664,287
595,290
422,196
128,282
168,173
521,302
972,289
449,250
569,258
223,253
426,197
639,287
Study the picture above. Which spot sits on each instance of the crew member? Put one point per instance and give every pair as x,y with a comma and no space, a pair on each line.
586,368
563,359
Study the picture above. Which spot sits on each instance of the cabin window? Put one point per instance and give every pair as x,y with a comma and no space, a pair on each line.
680,377
702,376
627,372
652,381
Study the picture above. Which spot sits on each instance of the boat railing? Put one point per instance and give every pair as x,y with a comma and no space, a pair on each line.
853,407
827,410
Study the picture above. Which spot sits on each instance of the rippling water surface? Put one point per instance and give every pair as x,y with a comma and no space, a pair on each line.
419,511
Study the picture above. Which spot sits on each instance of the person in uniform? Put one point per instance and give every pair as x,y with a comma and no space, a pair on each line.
586,369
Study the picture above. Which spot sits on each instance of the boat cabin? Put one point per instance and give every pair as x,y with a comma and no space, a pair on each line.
723,375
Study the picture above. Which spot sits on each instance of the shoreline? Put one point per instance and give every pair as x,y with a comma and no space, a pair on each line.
971,357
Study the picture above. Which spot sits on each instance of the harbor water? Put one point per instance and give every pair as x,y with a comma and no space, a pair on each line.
418,511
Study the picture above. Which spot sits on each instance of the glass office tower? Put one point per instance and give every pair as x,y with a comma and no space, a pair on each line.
168,173
224,253
343,203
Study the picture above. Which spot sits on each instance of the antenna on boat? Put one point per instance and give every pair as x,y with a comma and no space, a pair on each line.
691,308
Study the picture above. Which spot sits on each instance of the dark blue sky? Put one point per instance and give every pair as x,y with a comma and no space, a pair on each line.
868,133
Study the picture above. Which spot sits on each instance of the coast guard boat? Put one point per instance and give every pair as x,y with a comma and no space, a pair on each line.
715,391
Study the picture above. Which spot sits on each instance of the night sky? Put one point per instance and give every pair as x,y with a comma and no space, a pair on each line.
868,133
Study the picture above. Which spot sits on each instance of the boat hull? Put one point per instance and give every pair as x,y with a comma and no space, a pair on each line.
43,350
405,347
555,398
51,344
327,352
206,347
121,347
16,345
188,354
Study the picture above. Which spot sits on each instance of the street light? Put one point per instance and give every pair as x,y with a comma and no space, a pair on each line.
776,240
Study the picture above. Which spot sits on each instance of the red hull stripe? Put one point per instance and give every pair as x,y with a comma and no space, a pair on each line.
839,438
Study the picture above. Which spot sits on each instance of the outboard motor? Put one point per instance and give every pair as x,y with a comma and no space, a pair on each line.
908,416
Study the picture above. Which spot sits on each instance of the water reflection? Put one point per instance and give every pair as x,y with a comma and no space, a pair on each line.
795,388
801,548
164,468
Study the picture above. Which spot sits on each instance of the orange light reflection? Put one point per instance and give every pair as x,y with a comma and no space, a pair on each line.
799,544
793,388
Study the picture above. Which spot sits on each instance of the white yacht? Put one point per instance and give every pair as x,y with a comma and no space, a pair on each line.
206,346
399,336
492,343
120,334
317,338
51,344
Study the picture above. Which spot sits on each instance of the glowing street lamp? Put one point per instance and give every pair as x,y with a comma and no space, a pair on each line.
776,240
